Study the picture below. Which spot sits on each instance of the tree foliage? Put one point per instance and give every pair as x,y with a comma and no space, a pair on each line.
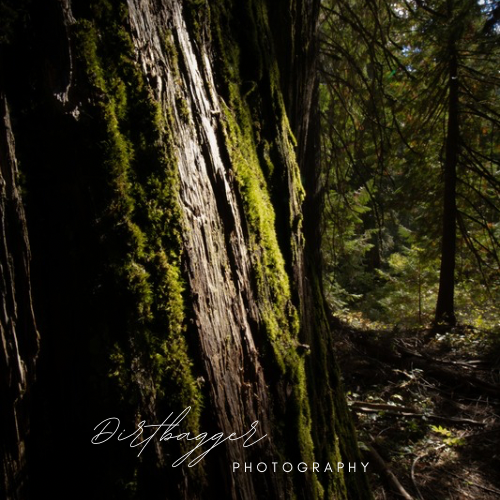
411,153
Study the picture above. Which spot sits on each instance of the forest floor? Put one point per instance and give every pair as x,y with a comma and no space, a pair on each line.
427,410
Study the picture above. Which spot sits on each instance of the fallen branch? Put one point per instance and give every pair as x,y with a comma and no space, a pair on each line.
432,367
387,473
413,480
367,407
382,406
473,363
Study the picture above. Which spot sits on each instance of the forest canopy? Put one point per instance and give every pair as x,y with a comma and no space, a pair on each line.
410,114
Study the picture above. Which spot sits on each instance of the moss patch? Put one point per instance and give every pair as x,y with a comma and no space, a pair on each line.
140,223
260,146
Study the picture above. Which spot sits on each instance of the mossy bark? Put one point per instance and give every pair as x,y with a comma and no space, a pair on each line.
168,151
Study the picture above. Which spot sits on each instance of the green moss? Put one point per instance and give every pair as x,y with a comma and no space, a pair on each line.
183,109
269,266
141,222
170,51
253,173
197,15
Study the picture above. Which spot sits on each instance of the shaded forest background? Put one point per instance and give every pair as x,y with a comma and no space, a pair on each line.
410,128
411,152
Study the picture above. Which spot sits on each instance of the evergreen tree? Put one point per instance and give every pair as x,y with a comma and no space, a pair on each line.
410,146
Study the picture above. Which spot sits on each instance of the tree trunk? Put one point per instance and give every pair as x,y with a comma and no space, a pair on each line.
162,145
445,309
19,335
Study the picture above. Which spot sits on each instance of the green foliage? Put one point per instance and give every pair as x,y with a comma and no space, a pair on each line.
385,84
447,436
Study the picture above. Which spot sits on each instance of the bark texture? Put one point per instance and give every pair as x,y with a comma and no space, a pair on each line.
445,307
19,335
166,146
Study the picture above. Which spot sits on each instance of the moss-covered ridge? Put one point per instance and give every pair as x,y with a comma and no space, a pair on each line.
261,148
140,219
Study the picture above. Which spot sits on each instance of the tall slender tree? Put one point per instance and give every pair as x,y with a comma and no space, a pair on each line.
445,308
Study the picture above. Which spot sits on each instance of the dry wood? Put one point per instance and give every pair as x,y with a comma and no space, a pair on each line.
367,407
468,364
432,367
387,473
413,480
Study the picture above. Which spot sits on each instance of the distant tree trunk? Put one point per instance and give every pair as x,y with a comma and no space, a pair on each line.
445,309
164,147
